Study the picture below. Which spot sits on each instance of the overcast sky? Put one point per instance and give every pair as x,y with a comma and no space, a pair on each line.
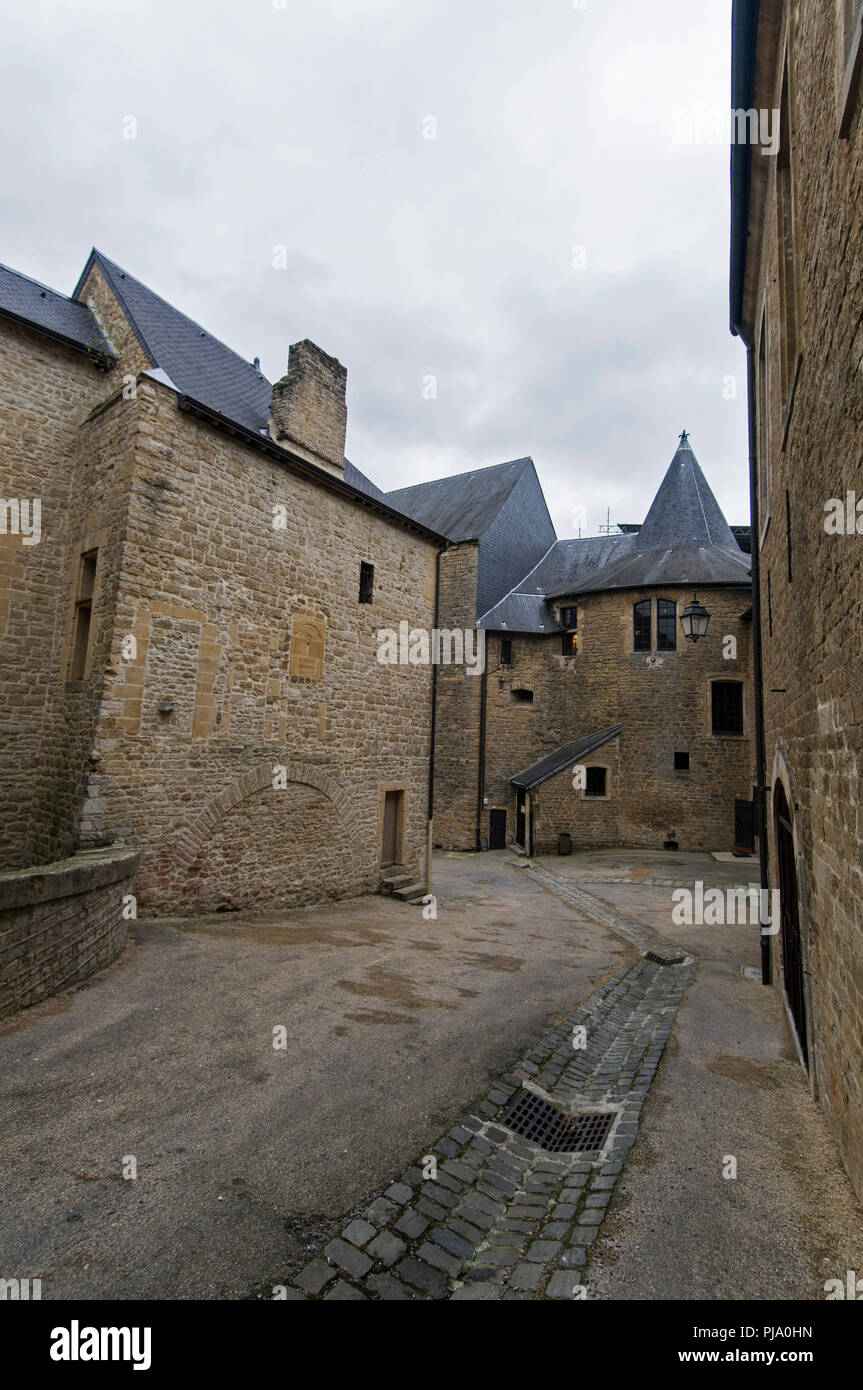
556,258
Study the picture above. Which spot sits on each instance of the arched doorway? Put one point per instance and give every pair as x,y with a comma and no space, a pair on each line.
792,950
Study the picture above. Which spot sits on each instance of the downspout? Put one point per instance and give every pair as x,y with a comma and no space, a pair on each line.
481,760
430,814
757,666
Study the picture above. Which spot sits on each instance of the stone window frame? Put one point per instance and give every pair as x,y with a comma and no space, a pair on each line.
639,603
505,661
592,796
764,433
661,598
91,544
849,49
723,680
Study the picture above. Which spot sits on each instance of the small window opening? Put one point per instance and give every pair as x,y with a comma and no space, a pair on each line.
506,651
367,582
523,697
83,615
681,762
595,781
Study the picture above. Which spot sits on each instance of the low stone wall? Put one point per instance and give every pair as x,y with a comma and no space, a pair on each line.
61,922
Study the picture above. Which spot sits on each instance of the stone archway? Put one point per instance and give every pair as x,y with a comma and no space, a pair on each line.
259,779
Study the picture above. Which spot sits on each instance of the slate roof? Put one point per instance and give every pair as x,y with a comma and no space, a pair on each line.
563,757
464,506
685,539
196,363
30,302
684,510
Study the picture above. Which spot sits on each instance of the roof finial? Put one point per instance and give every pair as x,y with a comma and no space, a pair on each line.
684,438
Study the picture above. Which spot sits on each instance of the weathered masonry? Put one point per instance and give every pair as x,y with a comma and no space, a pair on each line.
797,304
189,649
595,720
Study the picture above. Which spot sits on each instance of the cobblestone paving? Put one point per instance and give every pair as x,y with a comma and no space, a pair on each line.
503,1218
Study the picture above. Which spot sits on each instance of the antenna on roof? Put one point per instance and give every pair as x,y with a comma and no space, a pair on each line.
608,529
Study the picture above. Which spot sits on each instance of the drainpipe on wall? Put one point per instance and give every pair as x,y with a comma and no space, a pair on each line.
480,789
757,677
430,815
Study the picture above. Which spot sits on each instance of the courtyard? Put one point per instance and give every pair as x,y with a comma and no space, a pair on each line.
271,1077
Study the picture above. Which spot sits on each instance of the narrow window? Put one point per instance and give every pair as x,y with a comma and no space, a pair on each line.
569,617
367,582
569,644
641,626
681,762
83,614
666,625
595,781
727,707
506,651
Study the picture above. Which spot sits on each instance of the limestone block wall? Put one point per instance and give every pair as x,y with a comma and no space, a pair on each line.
558,807
811,439
59,923
46,391
663,702
459,698
228,560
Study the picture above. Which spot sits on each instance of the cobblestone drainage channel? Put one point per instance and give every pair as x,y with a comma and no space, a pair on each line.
491,1214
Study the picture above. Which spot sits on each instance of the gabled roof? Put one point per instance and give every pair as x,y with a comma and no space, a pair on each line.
28,301
195,363
464,506
198,364
563,757
685,539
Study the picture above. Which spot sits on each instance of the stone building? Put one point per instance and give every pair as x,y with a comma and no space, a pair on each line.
188,646
797,304
593,717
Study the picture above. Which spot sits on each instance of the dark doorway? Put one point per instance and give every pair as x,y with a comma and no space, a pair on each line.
389,847
792,953
744,826
497,830
521,821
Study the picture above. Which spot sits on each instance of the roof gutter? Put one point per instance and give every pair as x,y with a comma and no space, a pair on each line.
744,30
267,446
105,360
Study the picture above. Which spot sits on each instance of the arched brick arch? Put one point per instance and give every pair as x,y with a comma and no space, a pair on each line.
258,779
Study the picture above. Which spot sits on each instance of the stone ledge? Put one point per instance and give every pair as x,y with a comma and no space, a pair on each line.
83,872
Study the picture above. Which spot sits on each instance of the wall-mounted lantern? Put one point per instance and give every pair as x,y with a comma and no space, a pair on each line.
694,620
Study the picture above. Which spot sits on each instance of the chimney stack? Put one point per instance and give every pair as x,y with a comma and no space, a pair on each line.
308,413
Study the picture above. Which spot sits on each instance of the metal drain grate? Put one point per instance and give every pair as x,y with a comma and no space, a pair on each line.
534,1119
663,960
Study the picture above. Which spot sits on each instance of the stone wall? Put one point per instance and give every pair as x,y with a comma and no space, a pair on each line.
46,390
663,702
557,807
812,582
459,701
195,724
59,923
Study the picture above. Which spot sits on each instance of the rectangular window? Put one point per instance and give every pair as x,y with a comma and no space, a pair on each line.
570,643
727,707
569,617
763,431
506,651
367,582
681,762
595,781
83,615
641,635
666,625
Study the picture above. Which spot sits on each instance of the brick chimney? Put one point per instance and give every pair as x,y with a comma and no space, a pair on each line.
308,413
